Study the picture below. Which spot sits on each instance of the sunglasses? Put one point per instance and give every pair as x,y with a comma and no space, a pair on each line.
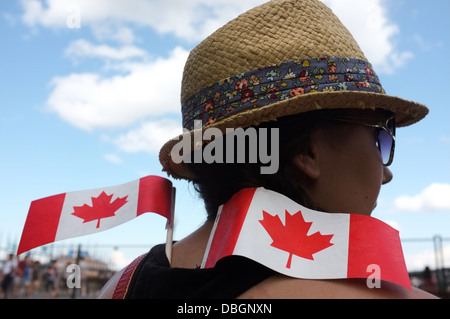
385,136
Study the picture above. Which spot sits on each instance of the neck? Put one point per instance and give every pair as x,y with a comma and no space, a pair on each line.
189,251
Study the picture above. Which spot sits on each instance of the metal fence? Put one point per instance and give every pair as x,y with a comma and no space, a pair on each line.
428,263
427,260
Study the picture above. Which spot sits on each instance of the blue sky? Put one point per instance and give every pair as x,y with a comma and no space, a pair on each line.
87,103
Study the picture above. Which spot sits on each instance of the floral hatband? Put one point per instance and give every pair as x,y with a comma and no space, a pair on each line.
278,82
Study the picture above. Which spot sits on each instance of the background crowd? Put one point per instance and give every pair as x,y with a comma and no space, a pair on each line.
25,277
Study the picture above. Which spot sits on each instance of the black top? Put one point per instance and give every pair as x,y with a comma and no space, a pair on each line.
233,275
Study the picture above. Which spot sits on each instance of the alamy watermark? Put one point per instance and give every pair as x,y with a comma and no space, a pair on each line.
374,279
74,278
238,140
73,20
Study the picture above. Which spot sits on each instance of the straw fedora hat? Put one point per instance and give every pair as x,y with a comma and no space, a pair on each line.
284,57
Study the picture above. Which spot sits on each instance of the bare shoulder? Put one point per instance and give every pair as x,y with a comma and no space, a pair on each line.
109,288
284,287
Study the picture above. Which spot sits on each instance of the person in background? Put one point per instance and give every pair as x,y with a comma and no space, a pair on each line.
7,275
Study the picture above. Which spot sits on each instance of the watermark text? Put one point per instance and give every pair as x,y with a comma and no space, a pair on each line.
238,145
74,279
374,279
73,20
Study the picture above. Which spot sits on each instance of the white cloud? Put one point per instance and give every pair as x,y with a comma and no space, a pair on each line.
143,88
119,33
435,197
369,24
149,137
190,20
89,100
83,48
193,20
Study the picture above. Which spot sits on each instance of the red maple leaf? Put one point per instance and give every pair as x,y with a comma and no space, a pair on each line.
102,207
293,237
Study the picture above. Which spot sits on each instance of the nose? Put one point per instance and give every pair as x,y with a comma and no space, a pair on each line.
387,175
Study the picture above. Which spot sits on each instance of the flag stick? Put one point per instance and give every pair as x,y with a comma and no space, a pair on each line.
169,238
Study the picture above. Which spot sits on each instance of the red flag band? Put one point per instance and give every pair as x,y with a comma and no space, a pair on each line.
80,213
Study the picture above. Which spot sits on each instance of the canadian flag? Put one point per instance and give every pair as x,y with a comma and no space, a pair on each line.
277,232
85,212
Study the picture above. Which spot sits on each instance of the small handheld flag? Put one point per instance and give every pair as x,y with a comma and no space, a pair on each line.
79,213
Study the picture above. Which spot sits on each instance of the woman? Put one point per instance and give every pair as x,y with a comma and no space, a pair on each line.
291,67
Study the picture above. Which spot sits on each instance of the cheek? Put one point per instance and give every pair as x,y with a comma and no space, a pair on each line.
370,181
361,188
368,178
363,172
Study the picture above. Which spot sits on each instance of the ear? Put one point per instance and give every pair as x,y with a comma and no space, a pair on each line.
308,163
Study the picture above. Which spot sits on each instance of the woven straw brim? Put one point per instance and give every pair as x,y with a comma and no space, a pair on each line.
406,113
